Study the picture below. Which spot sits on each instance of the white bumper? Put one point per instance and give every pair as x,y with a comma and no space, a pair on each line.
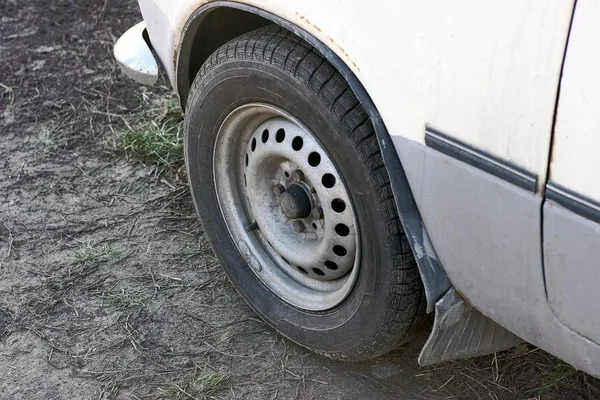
135,57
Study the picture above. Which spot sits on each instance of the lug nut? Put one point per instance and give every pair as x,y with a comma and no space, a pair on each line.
298,176
278,190
298,226
317,213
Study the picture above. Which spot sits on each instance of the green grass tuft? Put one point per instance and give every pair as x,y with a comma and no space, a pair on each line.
560,376
158,141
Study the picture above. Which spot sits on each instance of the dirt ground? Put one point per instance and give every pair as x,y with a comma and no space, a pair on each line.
108,287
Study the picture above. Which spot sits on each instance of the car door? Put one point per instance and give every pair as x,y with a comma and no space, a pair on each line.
571,212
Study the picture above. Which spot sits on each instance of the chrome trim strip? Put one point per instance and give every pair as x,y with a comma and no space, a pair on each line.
480,159
573,201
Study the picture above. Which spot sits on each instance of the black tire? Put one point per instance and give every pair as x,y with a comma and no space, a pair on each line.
273,66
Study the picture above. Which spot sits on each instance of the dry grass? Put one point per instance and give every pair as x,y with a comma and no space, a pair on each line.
125,298
7,98
524,372
199,384
89,253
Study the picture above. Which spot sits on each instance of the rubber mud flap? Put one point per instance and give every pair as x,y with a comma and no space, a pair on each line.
460,331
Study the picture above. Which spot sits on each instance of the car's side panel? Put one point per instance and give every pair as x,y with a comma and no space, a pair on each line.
572,211
486,231
572,267
484,71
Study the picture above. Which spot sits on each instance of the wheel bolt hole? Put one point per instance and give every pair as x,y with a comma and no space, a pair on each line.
297,143
305,272
328,181
340,250
265,136
314,225
338,205
318,271
280,135
253,144
246,159
314,159
286,174
331,265
342,229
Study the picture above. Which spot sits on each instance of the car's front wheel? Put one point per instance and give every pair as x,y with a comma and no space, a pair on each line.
287,176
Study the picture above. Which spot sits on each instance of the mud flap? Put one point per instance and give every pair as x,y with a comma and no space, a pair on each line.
460,331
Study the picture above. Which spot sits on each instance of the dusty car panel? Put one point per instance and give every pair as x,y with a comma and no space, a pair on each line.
577,122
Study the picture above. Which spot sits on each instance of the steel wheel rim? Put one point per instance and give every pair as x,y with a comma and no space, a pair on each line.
314,268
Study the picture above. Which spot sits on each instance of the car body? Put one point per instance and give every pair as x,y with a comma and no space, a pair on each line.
486,114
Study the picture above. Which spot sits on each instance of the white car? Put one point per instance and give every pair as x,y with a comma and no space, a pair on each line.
357,165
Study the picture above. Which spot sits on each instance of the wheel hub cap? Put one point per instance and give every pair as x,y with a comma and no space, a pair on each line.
287,207
286,159
295,202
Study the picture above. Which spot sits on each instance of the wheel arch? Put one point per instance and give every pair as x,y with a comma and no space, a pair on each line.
204,32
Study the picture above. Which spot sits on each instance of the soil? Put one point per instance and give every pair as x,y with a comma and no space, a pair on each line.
108,287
